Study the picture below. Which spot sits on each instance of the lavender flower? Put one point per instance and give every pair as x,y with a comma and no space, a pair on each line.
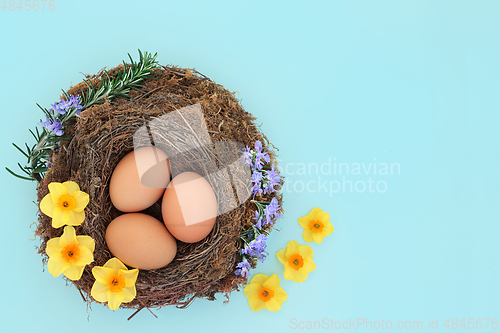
258,164
64,104
247,157
243,268
56,108
272,211
54,126
75,102
258,218
258,146
256,177
275,207
256,190
273,178
260,245
256,246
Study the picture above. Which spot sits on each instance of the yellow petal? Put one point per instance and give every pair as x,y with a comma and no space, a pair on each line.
129,294
273,304
281,256
307,235
102,274
82,200
100,291
308,267
74,272
280,295
57,190
289,271
85,256
292,247
252,290
259,278
272,283
256,304
328,228
130,276
68,237
115,264
47,206
60,217
312,214
318,237
75,218
323,217
306,251
71,186
299,277
57,265
53,246
304,222
86,241
115,299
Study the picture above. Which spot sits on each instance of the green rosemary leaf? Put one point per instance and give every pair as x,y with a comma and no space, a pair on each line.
32,133
40,170
132,60
66,96
28,148
25,169
18,176
55,138
142,91
22,151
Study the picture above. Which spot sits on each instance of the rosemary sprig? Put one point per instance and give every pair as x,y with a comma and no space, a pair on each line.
120,85
110,87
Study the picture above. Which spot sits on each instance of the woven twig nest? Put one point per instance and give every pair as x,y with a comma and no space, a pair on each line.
103,134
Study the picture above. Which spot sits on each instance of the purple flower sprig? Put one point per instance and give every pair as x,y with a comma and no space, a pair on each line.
61,112
255,244
48,140
267,213
265,178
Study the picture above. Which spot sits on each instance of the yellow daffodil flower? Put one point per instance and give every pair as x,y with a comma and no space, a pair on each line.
65,204
298,261
69,254
316,225
265,292
114,284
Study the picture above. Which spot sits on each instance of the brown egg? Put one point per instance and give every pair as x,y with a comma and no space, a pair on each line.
140,241
189,207
139,179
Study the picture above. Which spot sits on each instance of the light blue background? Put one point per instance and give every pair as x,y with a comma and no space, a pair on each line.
408,82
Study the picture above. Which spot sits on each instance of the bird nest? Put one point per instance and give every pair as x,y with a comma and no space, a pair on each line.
103,134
